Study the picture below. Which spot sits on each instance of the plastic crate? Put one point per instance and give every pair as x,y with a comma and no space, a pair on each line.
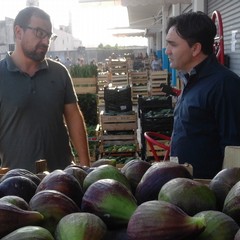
118,99
148,103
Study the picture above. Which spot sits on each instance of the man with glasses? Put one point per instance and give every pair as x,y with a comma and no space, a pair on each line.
39,113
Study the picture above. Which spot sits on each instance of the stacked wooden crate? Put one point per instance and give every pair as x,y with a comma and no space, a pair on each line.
158,150
156,115
85,85
118,134
147,64
139,83
102,81
155,79
119,73
130,64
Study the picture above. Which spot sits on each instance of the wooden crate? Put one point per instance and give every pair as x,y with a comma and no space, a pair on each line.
147,64
119,80
118,130
155,79
118,66
138,77
103,149
139,91
122,139
103,80
120,122
139,84
130,64
101,101
104,153
85,85
159,151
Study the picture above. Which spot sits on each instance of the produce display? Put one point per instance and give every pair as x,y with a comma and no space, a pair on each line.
139,201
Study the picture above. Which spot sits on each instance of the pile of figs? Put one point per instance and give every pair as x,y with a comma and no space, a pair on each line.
140,201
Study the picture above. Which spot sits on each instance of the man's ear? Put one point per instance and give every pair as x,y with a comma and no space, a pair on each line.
196,49
18,32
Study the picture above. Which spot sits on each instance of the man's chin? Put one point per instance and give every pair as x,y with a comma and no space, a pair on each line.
40,56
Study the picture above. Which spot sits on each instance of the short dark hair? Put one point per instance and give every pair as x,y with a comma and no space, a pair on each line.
195,27
24,16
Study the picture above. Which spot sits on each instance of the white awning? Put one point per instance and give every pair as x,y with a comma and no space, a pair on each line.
149,2
143,14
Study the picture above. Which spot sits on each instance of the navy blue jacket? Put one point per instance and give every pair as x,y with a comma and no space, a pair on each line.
207,118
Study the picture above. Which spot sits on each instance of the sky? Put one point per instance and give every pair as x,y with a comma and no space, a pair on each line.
91,22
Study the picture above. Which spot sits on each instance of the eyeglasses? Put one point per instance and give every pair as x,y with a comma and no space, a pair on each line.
41,34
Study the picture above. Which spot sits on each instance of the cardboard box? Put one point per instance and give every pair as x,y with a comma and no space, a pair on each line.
231,157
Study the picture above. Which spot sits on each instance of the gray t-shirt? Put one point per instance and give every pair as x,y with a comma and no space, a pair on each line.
31,115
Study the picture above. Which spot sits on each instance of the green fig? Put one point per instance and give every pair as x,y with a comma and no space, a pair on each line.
112,201
222,183
29,233
21,172
191,196
80,226
63,182
17,201
19,186
155,177
162,220
53,205
219,226
13,217
231,204
77,172
105,172
103,161
134,170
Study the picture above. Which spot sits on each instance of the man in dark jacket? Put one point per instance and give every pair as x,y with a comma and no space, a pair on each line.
207,113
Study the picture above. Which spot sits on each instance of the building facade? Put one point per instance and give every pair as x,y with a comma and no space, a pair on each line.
65,41
163,10
152,16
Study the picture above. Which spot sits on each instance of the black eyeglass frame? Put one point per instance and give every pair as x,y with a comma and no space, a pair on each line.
41,33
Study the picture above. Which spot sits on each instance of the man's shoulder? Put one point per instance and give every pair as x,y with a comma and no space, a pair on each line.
3,67
55,65
3,61
213,68
53,62
225,72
